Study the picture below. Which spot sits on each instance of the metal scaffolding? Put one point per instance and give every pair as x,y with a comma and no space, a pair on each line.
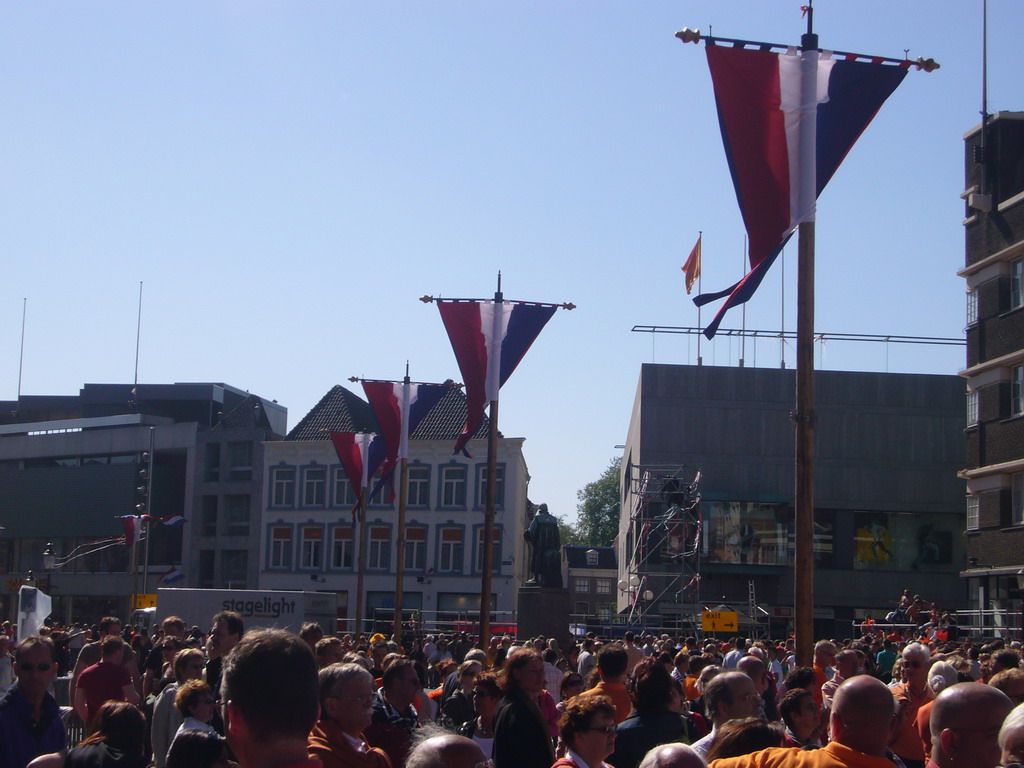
662,547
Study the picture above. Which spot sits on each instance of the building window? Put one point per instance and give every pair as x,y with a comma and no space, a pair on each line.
234,564
312,547
211,471
495,549
972,307
240,461
1018,498
583,610
344,496
313,487
236,515
481,484
604,586
453,486
450,560
207,559
379,496
283,487
209,518
604,613
1017,390
380,548
281,547
582,585
416,549
972,513
1017,284
419,486
592,557
972,407
341,549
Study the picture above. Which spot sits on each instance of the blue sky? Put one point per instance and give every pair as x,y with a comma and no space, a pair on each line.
287,179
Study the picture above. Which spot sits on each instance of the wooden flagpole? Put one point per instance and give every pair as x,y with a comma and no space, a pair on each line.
403,496
361,556
487,557
803,414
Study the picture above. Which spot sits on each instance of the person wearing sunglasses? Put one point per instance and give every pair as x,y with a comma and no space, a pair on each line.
587,729
30,722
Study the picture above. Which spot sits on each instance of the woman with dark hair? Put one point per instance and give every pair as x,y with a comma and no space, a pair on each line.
571,685
652,721
587,729
521,735
486,694
198,749
735,738
117,739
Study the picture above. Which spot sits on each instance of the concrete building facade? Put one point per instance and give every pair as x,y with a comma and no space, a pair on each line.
888,501
994,371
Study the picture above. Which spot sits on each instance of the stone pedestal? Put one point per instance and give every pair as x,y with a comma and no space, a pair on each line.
543,611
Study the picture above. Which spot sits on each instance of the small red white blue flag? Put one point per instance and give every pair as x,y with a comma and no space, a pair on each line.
399,408
352,449
132,529
489,339
788,120
170,576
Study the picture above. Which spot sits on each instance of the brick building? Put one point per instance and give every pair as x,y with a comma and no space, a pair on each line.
994,372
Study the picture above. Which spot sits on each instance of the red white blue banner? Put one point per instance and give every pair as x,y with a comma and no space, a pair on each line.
788,120
352,449
489,339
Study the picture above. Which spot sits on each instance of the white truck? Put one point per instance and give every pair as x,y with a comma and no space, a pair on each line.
261,608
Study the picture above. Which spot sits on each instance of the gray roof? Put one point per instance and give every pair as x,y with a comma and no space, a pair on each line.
343,411
576,556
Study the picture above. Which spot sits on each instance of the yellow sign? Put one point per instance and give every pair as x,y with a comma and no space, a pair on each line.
144,601
719,621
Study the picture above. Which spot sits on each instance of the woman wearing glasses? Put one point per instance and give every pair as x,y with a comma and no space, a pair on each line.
588,730
486,695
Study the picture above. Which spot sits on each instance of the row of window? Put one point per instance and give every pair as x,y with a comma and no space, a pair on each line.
334,548
307,487
238,465
602,586
1016,396
1016,504
1016,292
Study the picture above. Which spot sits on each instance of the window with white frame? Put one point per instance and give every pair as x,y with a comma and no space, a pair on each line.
604,612
1017,390
604,586
281,547
344,496
1018,498
582,585
972,307
972,512
453,485
972,407
416,548
341,548
312,547
314,482
283,484
450,551
1017,284
381,497
481,484
379,551
495,549
419,486
592,556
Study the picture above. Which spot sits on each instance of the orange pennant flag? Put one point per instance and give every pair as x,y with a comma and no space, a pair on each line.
692,266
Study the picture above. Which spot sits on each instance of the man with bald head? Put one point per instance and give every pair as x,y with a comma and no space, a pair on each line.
448,751
673,755
965,724
862,715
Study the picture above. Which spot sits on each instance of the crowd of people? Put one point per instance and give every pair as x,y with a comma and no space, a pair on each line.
271,699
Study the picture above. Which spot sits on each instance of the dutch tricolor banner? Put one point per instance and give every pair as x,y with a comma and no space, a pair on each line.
489,339
788,119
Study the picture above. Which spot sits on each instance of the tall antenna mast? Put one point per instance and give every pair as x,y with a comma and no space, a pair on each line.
21,354
138,335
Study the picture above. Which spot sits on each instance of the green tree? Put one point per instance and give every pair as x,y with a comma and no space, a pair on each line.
598,508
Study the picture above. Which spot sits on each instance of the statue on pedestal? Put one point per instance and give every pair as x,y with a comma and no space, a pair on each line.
546,552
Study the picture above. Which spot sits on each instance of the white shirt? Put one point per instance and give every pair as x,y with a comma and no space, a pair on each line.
701,746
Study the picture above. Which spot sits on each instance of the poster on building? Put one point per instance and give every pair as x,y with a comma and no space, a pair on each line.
887,541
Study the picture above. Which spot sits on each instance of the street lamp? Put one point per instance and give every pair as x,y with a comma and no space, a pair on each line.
49,558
